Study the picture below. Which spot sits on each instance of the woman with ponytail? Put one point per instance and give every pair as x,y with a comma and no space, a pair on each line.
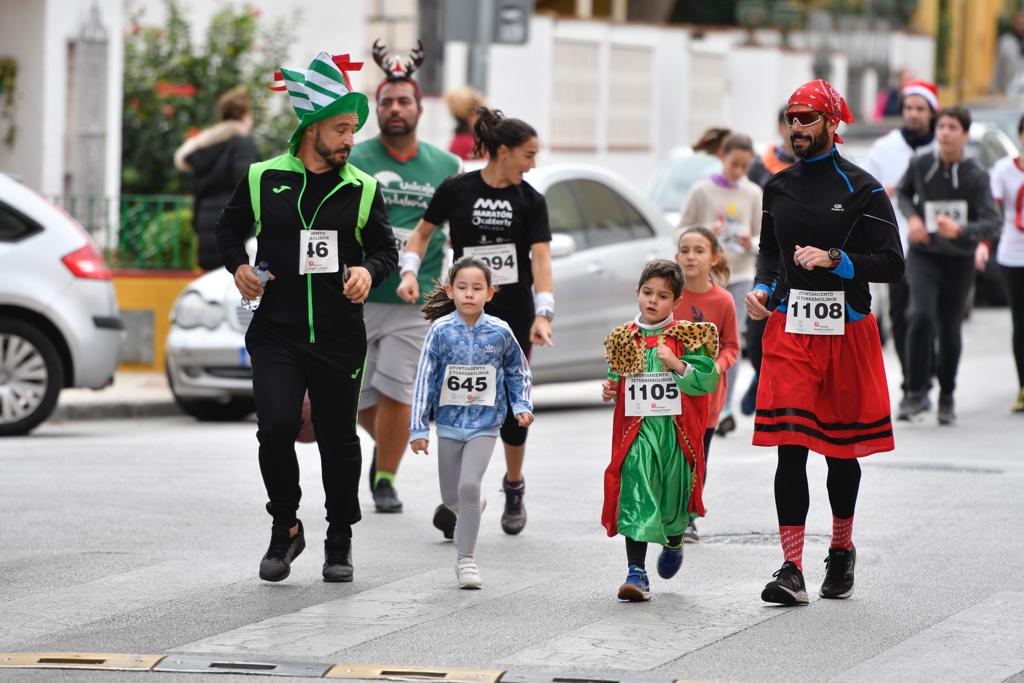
496,216
469,364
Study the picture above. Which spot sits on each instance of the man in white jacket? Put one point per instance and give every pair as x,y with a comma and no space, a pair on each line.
887,161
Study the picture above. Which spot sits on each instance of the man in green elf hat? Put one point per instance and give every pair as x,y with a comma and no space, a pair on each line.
322,230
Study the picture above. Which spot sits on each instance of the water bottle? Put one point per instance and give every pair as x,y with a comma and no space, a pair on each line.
262,271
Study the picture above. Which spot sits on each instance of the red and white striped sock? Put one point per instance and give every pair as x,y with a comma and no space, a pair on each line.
792,538
842,533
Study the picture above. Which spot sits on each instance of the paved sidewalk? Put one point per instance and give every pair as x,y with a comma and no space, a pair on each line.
133,394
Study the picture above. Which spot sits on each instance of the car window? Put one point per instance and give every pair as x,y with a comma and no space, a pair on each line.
992,149
641,228
678,176
14,225
564,213
604,213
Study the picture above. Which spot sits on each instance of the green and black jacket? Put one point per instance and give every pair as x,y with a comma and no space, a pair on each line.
270,198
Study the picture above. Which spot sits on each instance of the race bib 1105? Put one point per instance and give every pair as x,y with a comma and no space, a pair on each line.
652,393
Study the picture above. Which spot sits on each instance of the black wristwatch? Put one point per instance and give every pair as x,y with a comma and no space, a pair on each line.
836,255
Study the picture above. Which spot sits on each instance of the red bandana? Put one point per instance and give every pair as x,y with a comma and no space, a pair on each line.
821,96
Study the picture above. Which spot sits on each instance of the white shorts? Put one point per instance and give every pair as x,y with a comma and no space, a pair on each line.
394,338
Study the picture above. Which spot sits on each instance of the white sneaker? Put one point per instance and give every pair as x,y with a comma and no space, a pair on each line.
468,573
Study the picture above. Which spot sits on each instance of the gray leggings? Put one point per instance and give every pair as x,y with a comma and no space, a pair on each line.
460,469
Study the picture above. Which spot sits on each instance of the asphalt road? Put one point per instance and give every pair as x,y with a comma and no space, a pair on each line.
144,536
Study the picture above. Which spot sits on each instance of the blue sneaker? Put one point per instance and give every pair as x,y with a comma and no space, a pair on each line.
637,587
669,561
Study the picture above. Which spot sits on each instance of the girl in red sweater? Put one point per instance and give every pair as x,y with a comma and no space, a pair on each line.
705,299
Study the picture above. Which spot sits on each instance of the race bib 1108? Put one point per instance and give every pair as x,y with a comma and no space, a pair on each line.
813,312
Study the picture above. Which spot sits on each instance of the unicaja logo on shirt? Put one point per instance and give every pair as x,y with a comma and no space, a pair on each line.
837,207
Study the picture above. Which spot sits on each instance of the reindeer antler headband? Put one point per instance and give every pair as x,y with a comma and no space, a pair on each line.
395,68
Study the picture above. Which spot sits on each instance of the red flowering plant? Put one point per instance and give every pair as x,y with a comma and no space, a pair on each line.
171,84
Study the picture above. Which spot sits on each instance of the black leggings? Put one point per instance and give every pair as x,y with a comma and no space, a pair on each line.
636,551
939,286
284,365
511,432
1013,278
792,498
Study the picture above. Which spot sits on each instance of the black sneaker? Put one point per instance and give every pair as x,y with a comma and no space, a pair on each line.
911,406
838,583
385,497
728,424
947,414
513,519
277,562
337,560
788,588
444,520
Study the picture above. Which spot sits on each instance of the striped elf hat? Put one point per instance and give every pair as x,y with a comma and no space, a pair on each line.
321,91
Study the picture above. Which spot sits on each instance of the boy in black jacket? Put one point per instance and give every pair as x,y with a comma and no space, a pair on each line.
949,209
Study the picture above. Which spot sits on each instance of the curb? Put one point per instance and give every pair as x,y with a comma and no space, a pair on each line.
111,410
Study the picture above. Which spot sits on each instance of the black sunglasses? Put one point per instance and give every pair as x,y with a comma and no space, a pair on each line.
804,118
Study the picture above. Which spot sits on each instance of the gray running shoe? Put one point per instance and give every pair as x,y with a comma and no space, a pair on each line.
513,519
911,406
947,413
337,560
385,497
277,561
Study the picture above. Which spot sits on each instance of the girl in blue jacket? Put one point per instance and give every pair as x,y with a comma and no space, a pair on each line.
471,369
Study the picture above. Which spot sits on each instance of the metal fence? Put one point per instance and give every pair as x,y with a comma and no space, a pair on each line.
149,232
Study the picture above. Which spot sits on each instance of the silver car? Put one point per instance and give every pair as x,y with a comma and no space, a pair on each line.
59,321
603,234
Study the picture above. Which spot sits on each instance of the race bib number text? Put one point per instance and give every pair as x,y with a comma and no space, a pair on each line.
652,393
469,385
956,209
813,312
318,251
502,260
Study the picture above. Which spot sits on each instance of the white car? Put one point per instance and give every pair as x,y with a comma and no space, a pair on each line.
59,322
603,234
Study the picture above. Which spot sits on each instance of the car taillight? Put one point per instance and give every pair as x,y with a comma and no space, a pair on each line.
87,263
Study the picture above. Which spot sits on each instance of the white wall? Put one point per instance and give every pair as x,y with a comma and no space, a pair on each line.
37,35
21,36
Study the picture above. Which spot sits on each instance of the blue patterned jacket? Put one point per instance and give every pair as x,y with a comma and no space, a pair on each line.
451,341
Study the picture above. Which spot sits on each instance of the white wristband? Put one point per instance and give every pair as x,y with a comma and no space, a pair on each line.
411,263
544,302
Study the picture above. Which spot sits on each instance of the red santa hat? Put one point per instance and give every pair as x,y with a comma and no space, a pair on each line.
924,89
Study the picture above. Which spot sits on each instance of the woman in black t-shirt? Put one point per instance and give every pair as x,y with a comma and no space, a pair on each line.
495,215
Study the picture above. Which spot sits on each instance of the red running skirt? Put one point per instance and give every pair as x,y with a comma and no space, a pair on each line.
825,392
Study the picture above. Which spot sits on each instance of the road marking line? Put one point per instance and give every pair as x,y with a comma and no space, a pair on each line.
406,673
670,626
38,615
982,643
337,625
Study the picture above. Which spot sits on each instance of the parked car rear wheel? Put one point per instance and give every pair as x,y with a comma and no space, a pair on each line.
31,377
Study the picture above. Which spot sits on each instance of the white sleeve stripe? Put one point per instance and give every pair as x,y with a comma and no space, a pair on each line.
421,392
868,215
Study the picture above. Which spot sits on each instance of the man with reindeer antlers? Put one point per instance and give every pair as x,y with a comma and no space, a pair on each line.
407,172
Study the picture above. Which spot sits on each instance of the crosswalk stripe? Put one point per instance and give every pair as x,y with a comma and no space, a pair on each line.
668,627
30,617
982,643
329,627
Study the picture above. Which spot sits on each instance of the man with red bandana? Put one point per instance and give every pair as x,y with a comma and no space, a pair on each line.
828,230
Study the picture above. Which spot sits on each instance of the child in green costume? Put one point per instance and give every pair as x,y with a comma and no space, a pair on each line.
660,374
